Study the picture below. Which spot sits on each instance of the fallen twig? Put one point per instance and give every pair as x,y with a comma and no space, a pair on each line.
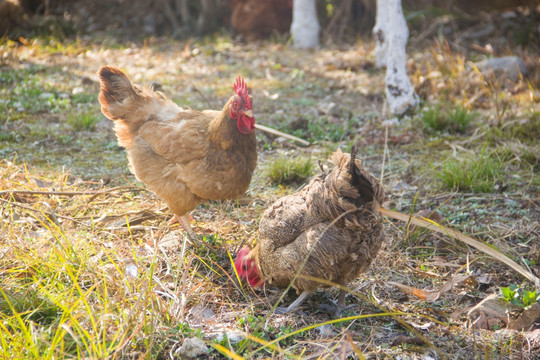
50,214
71,193
282,134
429,224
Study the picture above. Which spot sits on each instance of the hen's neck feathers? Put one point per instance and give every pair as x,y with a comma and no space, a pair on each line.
223,131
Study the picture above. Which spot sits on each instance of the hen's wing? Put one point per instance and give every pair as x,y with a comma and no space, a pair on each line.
180,141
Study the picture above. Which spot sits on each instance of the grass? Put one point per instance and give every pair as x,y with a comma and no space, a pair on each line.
289,170
476,173
82,121
454,121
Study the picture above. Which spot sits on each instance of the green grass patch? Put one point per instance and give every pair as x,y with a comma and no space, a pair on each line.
439,119
526,129
82,121
478,173
288,170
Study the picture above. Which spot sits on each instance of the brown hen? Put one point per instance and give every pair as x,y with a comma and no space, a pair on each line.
184,156
330,230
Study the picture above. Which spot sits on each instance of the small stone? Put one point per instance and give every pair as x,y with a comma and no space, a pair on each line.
327,331
506,67
492,312
192,348
527,319
132,270
77,90
233,336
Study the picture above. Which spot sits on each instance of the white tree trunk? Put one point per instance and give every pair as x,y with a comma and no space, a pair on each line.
391,34
305,25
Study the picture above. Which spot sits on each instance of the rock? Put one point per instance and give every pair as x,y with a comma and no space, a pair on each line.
201,313
77,90
507,67
492,312
403,187
528,318
192,348
132,269
327,108
327,331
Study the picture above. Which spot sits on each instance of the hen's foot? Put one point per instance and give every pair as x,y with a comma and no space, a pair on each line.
295,305
285,310
336,309
339,307
184,222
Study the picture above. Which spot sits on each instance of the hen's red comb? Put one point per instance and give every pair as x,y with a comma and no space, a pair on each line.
241,89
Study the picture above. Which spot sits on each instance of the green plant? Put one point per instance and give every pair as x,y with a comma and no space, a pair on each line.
454,120
519,296
526,129
286,170
478,174
82,121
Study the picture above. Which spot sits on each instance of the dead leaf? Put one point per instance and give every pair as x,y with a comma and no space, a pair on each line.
170,241
433,295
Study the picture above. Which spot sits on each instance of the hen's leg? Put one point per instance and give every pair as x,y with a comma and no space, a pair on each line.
339,307
184,222
303,296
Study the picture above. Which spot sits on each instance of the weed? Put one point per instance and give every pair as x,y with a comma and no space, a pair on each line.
477,174
519,296
286,170
524,154
453,121
526,129
82,121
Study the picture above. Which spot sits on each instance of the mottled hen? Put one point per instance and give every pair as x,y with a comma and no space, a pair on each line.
329,230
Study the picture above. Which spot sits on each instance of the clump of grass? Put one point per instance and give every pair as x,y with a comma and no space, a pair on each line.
478,174
453,121
525,130
82,121
525,154
285,170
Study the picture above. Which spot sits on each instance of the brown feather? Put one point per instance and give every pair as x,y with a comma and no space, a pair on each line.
326,223
184,156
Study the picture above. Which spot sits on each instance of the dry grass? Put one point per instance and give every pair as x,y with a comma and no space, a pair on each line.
89,267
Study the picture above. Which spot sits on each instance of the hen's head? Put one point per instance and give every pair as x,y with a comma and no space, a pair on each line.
246,267
241,107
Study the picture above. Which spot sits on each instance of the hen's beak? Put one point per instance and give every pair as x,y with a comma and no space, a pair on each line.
248,113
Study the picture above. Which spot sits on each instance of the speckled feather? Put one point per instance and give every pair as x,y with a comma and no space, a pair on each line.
329,218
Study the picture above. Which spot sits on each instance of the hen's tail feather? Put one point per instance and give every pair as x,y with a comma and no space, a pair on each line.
352,166
359,181
115,85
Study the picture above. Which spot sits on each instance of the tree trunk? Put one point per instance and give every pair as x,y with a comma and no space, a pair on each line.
305,25
207,21
391,35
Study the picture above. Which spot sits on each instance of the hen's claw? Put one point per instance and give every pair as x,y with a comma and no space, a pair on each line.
184,222
336,309
295,305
